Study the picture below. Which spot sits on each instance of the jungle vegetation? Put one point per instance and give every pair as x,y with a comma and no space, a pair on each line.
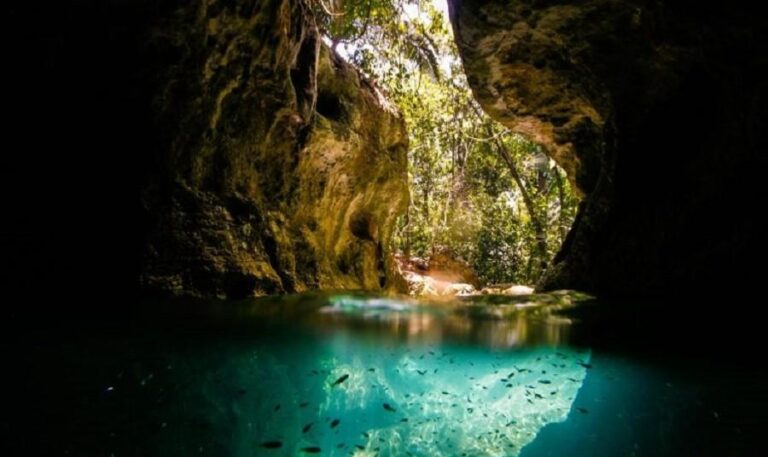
479,193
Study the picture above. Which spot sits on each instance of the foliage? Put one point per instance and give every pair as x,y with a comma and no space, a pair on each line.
505,217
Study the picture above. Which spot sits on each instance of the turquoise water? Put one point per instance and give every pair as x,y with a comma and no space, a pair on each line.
346,375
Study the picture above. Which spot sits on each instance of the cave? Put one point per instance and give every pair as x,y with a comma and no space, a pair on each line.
200,199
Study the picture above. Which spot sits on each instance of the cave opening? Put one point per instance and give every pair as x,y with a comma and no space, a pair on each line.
488,208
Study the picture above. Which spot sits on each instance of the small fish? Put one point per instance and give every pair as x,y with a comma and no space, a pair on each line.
272,444
366,435
445,393
572,380
585,365
340,445
509,385
311,450
306,427
545,381
405,419
537,396
504,380
303,404
371,369
360,446
582,410
421,372
470,410
335,422
435,371
388,407
276,408
315,372
340,380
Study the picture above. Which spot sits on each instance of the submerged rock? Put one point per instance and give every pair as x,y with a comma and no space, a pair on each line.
277,167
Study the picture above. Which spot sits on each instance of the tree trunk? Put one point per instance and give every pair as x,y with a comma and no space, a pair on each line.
539,228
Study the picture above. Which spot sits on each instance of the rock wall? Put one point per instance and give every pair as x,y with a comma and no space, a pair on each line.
276,167
657,111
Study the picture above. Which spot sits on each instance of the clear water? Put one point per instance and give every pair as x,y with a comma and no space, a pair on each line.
353,375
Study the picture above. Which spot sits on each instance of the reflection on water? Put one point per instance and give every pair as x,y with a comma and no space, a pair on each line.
489,321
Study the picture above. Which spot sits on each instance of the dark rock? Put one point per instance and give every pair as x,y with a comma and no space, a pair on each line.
278,167
657,111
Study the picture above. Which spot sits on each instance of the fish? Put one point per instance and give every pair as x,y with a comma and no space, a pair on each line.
360,446
504,380
340,380
445,393
585,364
311,450
272,444
276,408
306,427
537,396
421,372
389,407
572,380
435,371
582,410
303,404
405,419
340,445
469,410
545,381
371,369
335,422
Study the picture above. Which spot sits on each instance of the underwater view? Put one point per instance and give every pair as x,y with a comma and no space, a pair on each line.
354,375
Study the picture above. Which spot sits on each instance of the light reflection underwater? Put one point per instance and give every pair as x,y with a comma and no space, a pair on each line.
441,398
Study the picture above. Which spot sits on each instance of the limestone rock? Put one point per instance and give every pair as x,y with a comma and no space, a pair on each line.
276,166
657,112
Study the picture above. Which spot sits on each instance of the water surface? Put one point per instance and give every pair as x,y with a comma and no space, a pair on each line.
342,375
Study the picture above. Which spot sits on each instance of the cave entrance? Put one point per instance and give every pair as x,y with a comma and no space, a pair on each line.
488,208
